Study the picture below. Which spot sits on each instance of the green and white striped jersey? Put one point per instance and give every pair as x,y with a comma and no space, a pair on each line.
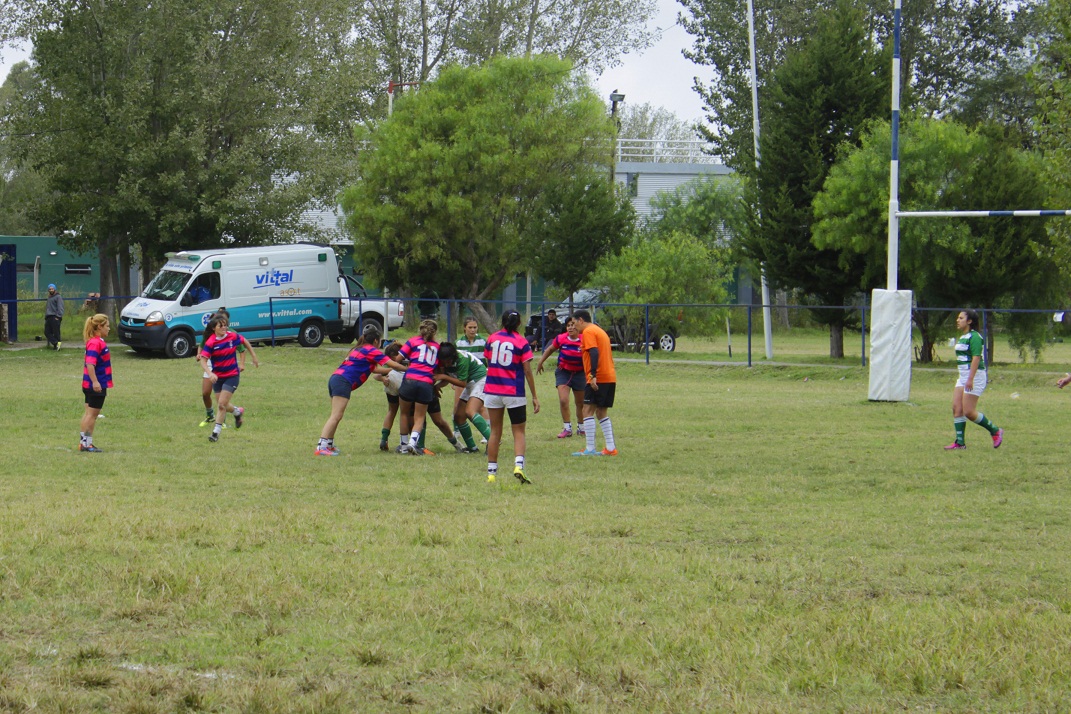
967,346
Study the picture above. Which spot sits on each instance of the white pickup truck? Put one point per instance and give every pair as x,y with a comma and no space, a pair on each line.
359,310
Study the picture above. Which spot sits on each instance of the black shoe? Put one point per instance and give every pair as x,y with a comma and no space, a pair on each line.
213,436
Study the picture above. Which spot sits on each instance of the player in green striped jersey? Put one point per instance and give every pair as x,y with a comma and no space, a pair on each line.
971,383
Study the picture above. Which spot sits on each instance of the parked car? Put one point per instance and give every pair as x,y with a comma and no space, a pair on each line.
623,323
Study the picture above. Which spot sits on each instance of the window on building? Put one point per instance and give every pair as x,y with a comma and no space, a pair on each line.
77,269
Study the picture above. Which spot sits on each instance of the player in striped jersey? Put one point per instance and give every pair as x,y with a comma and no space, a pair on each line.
96,377
569,376
221,349
354,371
417,390
508,358
970,362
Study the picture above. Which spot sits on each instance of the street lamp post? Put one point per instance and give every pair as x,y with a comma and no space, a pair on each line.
615,97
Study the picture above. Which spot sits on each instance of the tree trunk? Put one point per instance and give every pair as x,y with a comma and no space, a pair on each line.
124,272
836,340
109,283
486,319
781,298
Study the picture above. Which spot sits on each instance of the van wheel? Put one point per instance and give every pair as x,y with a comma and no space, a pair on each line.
179,344
311,334
372,320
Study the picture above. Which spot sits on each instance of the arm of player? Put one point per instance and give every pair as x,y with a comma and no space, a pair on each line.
551,348
252,352
531,385
593,356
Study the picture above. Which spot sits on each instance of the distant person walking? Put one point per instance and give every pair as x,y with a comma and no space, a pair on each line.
601,384
96,377
971,383
53,317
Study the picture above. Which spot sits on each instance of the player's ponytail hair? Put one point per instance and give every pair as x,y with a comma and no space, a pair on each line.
428,328
972,318
94,323
371,335
511,320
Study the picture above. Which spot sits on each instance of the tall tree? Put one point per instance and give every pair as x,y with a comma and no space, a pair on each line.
19,187
452,186
823,93
183,122
982,262
949,48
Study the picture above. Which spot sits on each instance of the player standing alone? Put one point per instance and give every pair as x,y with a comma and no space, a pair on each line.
602,384
971,382
96,377
508,358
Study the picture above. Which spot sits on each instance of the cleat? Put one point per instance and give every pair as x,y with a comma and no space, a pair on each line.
490,478
213,437
383,446
955,446
402,449
565,434
587,452
608,452
238,414
207,421
580,432
460,448
327,451
519,475
998,438
471,450
423,452
89,449
483,440
58,345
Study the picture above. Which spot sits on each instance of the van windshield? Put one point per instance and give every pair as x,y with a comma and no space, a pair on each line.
166,285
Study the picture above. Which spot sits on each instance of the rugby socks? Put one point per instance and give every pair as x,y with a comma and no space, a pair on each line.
466,434
85,439
567,426
608,433
416,440
384,434
323,443
210,414
589,433
985,423
518,461
482,426
492,468
217,428
961,425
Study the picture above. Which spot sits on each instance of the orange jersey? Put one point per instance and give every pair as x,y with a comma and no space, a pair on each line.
595,336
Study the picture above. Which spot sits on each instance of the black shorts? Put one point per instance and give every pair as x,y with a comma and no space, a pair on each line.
433,408
603,398
95,400
392,399
226,384
417,392
563,377
339,386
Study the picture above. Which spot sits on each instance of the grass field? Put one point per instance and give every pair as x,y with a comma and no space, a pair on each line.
767,541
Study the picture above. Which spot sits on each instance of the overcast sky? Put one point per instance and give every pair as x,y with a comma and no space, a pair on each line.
660,75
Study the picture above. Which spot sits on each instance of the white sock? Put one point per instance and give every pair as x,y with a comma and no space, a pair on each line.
492,467
589,433
567,426
518,461
608,433
217,428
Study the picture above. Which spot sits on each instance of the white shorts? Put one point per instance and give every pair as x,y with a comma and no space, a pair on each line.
980,380
473,390
501,401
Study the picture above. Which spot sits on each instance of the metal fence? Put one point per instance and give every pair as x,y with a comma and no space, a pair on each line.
708,333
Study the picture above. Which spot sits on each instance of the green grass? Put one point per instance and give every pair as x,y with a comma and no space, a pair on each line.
767,541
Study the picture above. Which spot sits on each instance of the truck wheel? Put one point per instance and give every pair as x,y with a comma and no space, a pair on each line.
180,344
367,320
667,342
311,334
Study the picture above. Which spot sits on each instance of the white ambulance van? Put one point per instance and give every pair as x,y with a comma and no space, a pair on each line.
280,292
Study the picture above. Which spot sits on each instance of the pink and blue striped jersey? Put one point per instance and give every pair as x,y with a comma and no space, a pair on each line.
569,353
360,363
100,358
223,353
423,358
505,354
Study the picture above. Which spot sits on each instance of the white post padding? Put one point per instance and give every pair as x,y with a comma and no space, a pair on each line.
890,346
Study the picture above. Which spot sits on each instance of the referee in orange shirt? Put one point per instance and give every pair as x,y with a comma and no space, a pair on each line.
601,383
